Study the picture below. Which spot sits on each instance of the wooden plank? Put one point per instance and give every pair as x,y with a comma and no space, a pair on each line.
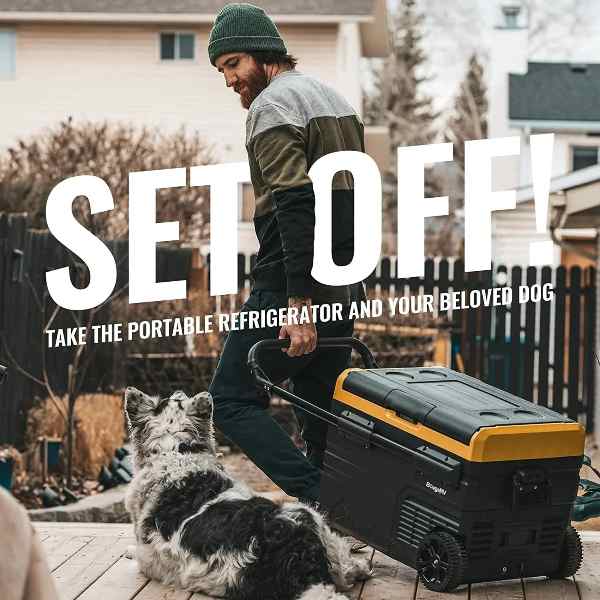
157,591
429,276
356,592
121,582
59,548
574,331
458,316
544,343
500,311
559,339
392,581
515,332
542,588
472,318
589,329
386,274
460,593
587,578
486,328
89,564
93,529
497,590
529,349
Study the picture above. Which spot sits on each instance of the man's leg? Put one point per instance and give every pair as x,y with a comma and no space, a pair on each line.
241,411
316,383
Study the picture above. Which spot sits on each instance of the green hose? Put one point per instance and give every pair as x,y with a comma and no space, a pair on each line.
587,505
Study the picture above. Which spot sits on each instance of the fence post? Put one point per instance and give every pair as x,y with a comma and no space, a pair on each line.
595,342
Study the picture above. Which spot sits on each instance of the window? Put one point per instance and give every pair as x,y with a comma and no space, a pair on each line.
177,46
8,45
584,156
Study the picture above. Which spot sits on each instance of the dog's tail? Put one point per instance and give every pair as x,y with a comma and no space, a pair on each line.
322,592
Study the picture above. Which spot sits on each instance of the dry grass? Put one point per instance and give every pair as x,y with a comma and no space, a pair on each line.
99,430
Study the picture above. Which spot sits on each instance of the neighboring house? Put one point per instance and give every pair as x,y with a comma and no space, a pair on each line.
575,208
536,97
146,62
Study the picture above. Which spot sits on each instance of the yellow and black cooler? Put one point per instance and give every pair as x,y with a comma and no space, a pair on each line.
461,480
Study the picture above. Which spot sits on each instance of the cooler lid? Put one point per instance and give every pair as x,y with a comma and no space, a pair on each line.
449,402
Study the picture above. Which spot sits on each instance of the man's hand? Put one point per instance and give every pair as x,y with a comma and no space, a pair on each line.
303,338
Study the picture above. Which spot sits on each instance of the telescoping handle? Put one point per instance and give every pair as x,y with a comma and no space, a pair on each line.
263,380
368,437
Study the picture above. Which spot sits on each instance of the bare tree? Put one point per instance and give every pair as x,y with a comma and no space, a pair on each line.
77,369
31,168
397,100
468,120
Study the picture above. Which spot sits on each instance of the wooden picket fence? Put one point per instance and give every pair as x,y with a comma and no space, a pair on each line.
542,351
25,256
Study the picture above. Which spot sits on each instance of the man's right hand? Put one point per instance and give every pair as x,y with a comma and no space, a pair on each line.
303,337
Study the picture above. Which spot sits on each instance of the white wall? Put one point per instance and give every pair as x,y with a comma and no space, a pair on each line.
113,72
508,54
348,64
512,232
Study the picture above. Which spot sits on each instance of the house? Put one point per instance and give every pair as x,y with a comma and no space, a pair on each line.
146,62
575,202
536,97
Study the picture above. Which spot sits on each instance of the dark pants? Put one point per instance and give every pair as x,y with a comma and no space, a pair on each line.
241,409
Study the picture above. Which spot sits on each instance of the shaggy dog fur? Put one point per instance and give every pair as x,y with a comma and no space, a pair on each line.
199,530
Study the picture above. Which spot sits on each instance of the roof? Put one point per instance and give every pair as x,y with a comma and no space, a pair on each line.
565,182
275,7
556,92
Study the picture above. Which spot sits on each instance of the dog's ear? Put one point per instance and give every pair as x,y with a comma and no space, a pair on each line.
200,406
138,406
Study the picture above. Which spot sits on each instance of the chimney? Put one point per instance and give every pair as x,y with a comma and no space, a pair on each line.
511,12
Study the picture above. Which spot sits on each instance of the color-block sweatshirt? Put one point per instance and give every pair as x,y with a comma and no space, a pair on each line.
292,123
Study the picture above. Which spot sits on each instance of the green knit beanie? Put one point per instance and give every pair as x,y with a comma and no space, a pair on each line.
243,28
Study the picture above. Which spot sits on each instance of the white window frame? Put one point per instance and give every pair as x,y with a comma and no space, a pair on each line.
13,74
177,59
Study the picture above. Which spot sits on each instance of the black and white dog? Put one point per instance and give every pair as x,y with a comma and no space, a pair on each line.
199,530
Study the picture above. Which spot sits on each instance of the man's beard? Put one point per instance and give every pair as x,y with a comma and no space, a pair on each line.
252,86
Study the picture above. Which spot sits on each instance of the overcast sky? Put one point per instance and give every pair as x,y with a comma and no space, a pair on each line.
562,30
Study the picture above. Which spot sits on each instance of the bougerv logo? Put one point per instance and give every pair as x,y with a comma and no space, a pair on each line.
435,488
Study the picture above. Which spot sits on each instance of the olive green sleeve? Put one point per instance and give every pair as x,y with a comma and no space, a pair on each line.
281,157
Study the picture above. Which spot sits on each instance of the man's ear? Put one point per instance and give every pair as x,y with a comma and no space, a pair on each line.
200,406
138,406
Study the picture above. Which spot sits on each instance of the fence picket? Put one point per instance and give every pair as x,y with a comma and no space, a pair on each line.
23,290
515,332
480,336
574,346
544,348
529,346
559,339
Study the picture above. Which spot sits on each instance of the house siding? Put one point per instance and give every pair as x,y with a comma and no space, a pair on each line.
114,72
514,229
512,232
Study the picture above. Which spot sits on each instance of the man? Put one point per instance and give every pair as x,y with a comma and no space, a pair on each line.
24,573
292,121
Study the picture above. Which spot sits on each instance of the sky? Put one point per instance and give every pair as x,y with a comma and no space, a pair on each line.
560,30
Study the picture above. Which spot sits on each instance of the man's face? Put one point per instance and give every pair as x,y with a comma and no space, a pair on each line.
242,74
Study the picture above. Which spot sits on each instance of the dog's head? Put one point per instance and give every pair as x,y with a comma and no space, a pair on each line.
176,424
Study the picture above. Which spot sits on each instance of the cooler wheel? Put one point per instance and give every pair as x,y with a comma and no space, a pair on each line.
441,561
571,555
